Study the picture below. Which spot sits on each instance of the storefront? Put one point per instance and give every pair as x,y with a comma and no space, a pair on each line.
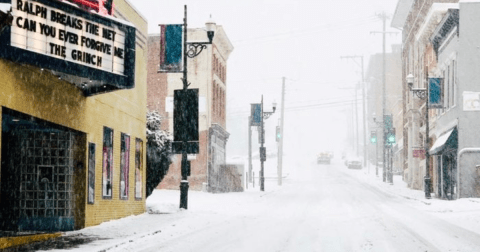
445,151
42,169
73,112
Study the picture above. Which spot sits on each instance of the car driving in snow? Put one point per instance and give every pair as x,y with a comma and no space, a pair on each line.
354,163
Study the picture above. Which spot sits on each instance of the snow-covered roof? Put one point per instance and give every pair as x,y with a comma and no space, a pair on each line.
434,17
4,7
401,13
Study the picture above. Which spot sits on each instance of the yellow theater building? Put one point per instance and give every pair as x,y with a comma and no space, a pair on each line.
72,111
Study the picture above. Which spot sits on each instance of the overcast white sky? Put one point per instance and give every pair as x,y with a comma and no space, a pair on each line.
302,40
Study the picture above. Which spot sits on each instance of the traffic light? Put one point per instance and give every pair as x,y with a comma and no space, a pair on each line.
391,136
278,135
373,137
387,122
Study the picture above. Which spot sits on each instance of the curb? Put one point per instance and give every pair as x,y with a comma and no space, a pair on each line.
7,242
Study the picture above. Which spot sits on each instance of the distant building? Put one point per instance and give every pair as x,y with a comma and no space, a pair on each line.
73,117
393,102
208,73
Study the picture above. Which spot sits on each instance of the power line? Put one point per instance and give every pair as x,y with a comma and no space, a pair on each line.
296,108
310,30
275,38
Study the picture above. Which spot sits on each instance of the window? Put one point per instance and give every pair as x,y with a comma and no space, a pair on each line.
454,84
447,88
124,165
91,173
107,173
444,91
138,168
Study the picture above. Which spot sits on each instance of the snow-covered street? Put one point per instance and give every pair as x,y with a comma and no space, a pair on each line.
319,208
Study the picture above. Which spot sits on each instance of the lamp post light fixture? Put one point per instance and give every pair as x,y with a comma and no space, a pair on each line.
422,93
194,49
263,151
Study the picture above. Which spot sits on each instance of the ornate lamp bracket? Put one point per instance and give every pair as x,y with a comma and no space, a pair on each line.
194,49
420,92
266,115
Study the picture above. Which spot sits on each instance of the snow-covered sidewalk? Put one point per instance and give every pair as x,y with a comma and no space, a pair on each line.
463,212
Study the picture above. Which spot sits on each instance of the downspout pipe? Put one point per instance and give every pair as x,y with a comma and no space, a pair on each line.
460,153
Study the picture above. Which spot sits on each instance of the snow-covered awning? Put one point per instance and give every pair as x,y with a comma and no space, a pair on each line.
441,142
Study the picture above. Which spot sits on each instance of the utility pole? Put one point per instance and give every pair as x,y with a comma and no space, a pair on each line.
184,172
262,149
249,149
383,16
356,122
365,157
280,141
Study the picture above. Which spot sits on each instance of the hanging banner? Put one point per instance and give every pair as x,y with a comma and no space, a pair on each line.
171,48
256,114
435,93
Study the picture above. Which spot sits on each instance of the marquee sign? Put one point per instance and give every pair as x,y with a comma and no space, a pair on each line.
63,38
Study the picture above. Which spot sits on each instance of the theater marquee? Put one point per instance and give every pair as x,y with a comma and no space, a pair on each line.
70,40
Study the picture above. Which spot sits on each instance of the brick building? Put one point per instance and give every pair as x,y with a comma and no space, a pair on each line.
393,102
418,21
208,73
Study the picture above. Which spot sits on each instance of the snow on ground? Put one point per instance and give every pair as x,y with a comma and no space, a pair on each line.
319,206
464,212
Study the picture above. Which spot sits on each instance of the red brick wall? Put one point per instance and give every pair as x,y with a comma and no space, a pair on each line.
156,82
198,169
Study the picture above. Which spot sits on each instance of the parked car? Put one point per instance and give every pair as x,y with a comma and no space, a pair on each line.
354,164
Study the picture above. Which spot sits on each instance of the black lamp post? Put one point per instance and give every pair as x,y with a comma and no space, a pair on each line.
379,124
422,93
263,151
194,49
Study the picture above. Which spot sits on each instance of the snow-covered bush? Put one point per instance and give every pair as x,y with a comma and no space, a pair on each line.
159,151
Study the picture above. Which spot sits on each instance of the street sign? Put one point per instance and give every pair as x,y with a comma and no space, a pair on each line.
419,154
185,121
185,115
263,154
261,135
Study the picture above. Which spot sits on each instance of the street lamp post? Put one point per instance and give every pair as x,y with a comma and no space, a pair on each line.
422,93
191,50
379,124
263,151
